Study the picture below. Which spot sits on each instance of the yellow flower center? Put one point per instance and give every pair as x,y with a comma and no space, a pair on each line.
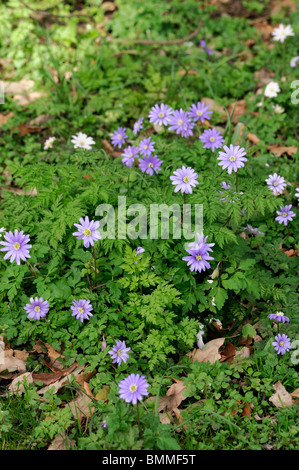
275,183
37,308
133,388
87,232
145,147
279,314
284,214
180,122
186,179
198,257
119,352
199,113
119,136
130,155
281,343
212,139
161,115
82,142
17,246
232,158
81,310
150,165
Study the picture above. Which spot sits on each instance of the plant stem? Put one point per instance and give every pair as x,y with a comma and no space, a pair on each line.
95,267
138,419
31,268
237,185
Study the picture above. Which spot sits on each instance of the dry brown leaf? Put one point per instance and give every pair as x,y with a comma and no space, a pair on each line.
210,353
281,149
189,72
240,108
12,363
55,357
244,352
56,380
264,76
17,385
21,91
215,107
4,118
245,410
295,395
81,407
175,394
281,397
62,442
228,353
291,252
42,119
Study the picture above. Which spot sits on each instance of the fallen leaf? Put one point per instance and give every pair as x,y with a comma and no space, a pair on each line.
81,407
42,119
295,395
188,72
228,352
55,357
21,91
239,108
291,252
11,363
244,352
17,385
215,107
62,442
281,149
24,129
281,397
264,76
210,353
4,118
245,409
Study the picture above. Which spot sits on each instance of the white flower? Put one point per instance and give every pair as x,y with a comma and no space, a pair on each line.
49,143
272,90
2,229
82,141
282,32
297,192
199,336
278,109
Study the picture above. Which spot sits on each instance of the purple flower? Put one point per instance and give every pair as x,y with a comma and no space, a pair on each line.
224,186
160,114
276,183
16,246
188,129
253,231
119,353
207,49
279,316
294,61
199,111
119,137
199,254
178,121
150,164
82,309
211,139
285,214
37,308
139,250
282,344
87,231
130,153
184,179
137,126
146,147
232,158
133,388
104,424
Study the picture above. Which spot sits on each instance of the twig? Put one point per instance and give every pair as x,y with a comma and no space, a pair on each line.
54,15
159,43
